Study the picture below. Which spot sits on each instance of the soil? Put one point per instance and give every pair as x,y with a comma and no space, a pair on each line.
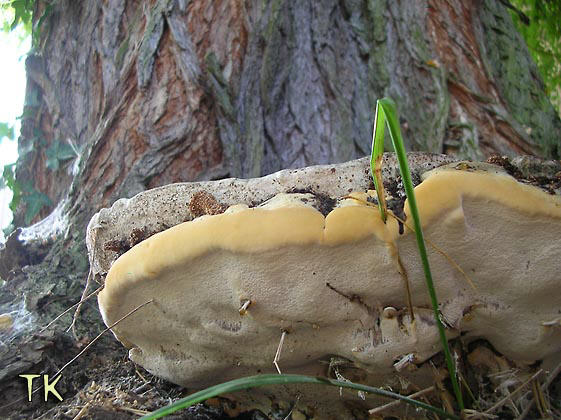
101,384
104,384
323,203
530,170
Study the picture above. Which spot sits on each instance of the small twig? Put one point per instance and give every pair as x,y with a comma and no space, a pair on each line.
146,381
468,389
406,360
553,374
83,351
377,176
469,414
84,292
77,312
292,408
141,389
100,334
70,308
244,306
511,394
351,298
81,412
551,377
398,402
541,404
279,350
134,410
405,277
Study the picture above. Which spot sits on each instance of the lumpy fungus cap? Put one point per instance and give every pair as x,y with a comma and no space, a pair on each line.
331,282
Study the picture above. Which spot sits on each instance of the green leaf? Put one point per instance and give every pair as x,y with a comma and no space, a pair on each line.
376,160
23,10
34,202
8,230
8,175
9,179
6,130
58,152
543,36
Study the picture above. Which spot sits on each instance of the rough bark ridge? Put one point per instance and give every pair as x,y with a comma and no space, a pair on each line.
151,92
156,92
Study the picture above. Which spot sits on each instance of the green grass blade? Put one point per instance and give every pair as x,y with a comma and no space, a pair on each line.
274,379
386,106
376,159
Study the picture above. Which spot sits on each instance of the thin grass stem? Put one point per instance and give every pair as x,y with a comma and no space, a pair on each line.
386,112
274,379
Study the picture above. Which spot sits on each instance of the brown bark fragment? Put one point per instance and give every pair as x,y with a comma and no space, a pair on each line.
204,203
472,91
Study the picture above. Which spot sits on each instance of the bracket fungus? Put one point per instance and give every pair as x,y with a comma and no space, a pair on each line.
226,286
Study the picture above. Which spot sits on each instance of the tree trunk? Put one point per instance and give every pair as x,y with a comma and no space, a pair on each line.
147,93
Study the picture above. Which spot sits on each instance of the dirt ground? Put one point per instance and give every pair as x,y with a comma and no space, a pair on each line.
102,384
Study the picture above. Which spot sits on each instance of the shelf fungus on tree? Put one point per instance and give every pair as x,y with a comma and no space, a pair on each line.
322,269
